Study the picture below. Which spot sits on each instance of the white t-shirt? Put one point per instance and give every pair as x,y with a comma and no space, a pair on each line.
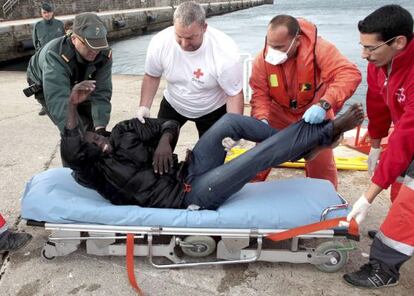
198,81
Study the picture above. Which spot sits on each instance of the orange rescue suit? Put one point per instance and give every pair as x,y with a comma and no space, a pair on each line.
282,93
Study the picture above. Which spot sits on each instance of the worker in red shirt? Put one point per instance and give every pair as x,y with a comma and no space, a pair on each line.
386,37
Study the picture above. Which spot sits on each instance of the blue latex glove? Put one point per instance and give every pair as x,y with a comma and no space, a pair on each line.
315,114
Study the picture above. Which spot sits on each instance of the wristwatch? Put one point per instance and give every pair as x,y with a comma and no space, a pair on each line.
325,105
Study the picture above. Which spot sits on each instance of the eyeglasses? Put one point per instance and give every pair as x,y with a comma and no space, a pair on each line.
371,49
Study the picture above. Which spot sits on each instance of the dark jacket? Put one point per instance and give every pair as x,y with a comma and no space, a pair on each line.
57,67
126,176
44,31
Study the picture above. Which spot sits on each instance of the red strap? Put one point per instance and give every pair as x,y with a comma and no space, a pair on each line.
187,187
327,224
130,263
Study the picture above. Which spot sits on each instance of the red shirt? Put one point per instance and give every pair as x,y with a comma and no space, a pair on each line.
391,100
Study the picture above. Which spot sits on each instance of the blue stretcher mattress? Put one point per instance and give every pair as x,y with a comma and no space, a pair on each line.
54,196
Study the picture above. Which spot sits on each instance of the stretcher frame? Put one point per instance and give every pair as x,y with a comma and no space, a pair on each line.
234,246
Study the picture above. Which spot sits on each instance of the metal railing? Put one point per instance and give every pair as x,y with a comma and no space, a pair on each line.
8,6
247,72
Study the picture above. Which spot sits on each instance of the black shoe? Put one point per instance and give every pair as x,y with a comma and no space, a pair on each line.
12,241
42,111
372,233
370,276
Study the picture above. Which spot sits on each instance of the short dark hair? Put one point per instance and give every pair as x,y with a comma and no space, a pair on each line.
388,21
47,7
288,21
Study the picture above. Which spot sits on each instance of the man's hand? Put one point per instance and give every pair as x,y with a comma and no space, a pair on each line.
81,91
315,114
103,132
163,159
143,112
373,157
229,143
359,210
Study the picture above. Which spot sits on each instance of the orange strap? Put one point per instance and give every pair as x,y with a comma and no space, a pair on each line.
327,224
130,264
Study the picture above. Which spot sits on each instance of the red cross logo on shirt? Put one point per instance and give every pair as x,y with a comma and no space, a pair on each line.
198,73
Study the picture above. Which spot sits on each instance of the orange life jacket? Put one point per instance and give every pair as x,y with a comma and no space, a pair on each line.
306,74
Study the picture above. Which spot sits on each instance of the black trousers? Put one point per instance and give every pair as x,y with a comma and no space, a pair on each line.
389,259
203,123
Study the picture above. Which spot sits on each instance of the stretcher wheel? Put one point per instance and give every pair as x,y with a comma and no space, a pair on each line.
198,246
48,252
335,249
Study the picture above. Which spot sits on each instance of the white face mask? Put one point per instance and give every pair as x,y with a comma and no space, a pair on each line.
277,57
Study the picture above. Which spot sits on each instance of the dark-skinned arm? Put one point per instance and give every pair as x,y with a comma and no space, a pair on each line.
72,148
163,159
159,134
79,94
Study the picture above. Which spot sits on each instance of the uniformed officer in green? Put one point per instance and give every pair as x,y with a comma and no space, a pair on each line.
45,30
65,61
48,28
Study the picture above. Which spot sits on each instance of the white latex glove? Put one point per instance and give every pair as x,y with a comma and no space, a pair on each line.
373,157
143,111
229,143
343,224
359,210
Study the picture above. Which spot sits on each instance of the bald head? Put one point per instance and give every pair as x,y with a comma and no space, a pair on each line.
285,22
283,35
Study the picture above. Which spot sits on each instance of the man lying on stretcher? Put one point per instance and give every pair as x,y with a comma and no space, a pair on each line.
135,166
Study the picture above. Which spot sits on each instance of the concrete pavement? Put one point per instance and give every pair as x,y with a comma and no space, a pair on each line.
29,145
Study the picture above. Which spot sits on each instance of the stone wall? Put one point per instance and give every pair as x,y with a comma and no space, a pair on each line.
16,39
31,8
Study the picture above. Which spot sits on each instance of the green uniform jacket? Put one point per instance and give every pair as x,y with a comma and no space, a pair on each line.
44,31
57,67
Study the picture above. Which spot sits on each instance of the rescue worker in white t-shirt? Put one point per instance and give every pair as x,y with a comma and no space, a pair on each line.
202,67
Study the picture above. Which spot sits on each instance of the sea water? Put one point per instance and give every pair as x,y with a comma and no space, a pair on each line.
336,21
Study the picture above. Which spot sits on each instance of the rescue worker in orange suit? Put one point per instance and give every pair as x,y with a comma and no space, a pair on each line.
300,75
386,37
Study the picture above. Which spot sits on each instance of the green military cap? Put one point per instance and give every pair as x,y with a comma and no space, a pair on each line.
91,29
46,7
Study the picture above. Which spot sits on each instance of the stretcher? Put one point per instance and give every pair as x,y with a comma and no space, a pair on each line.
235,233
357,163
